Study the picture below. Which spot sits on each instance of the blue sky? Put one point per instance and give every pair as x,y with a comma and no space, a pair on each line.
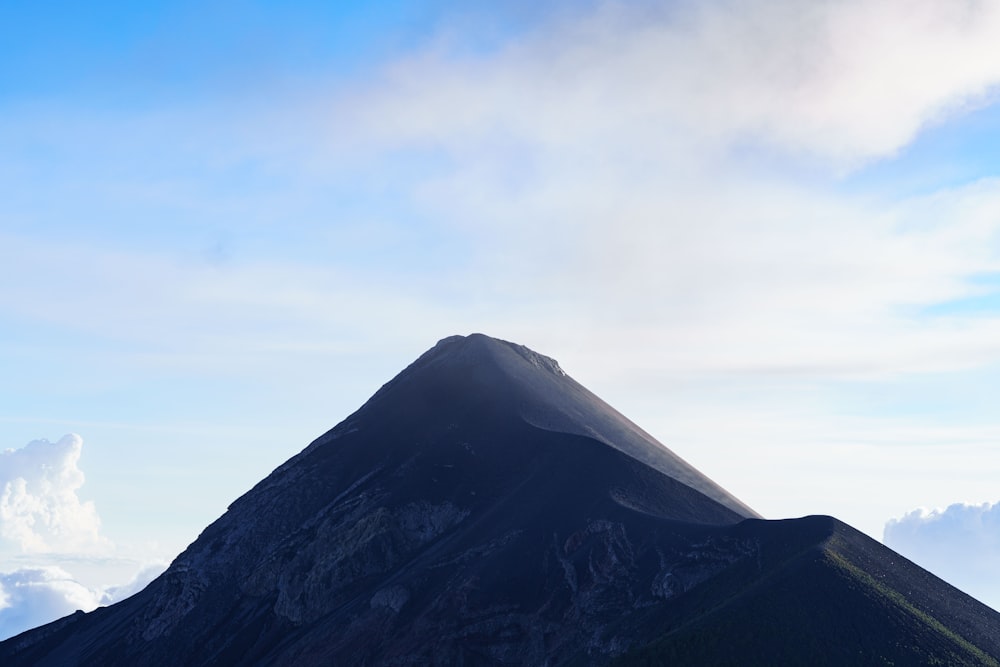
121,52
765,231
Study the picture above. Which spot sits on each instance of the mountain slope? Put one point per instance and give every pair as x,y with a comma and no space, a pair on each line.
484,508
822,593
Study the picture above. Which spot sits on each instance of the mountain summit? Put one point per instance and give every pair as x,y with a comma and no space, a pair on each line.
483,379
484,508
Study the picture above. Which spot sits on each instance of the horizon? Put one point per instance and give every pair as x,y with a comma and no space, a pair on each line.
765,233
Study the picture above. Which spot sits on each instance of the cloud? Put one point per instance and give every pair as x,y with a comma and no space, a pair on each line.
960,544
142,578
40,510
602,171
844,81
44,521
615,172
31,597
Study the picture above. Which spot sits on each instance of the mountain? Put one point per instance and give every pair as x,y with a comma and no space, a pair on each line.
483,508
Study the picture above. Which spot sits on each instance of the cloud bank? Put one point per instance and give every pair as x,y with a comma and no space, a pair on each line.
960,544
43,518
32,596
40,510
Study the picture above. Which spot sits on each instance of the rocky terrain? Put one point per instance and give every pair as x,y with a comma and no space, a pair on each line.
484,508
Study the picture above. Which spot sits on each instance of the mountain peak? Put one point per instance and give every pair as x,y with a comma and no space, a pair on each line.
485,508
504,381
477,347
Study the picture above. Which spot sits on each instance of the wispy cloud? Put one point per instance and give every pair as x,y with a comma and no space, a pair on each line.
642,170
604,169
665,175
846,81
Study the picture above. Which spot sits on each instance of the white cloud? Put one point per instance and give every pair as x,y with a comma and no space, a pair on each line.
44,521
593,178
846,81
31,597
138,582
599,165
40,510
960,544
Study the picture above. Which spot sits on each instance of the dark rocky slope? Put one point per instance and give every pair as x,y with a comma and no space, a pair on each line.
821,593
484,508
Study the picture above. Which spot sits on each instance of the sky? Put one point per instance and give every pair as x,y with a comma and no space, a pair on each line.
767,231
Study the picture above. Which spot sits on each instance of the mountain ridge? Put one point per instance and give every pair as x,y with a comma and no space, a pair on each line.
484,508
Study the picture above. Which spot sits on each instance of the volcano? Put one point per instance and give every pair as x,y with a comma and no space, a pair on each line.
483,508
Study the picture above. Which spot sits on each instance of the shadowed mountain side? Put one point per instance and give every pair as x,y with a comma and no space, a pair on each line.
520,381
440,466
803,591
821,593
466,545
483,508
